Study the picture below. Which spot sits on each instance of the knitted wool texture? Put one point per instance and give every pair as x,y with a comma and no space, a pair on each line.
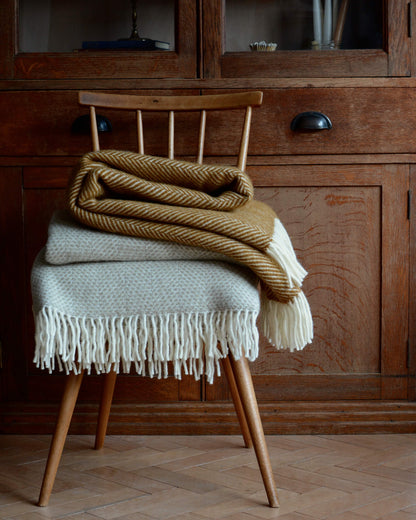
141,315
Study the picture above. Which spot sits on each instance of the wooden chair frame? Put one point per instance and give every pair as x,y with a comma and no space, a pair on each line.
237,371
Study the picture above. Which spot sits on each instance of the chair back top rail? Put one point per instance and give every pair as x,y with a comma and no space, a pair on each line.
176,103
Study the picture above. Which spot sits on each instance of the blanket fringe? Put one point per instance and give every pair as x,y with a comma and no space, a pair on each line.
281,250
288,325
194,343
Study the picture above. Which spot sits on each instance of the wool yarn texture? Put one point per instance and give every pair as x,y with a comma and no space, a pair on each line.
135,211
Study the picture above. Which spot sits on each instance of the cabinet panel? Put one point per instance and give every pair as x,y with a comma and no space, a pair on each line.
349,227
336,231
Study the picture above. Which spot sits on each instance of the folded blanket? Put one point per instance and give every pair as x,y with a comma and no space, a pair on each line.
100,315
210,207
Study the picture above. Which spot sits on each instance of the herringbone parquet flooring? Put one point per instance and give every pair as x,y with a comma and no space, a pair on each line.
353,477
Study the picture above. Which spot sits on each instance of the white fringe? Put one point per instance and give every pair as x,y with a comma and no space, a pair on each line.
287,325
194,343
281,250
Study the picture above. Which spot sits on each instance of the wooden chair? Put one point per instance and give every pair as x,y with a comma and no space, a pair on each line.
236,371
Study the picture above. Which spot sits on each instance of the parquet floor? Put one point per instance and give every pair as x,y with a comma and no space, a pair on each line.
353,477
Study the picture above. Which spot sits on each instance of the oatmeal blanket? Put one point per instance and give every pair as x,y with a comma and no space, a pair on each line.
208,206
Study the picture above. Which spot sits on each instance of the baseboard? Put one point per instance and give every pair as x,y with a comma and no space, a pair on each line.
195,418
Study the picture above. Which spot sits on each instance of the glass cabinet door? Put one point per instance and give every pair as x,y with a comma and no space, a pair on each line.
321,38
56,26
303,25
68,39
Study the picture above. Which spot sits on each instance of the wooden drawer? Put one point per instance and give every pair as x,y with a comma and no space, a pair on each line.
39,123
365,120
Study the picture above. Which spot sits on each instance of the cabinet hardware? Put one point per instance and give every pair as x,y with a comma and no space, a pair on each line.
310,122
82,124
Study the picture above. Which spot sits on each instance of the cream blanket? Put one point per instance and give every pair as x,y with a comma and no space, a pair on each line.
144,314
198,205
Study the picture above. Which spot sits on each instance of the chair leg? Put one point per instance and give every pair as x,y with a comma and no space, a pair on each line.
105,405
69,399
248,397
232,385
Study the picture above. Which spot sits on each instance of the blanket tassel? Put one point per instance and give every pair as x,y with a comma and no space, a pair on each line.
281,250
287,325
193,342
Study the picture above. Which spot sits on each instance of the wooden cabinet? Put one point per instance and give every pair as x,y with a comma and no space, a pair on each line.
345,195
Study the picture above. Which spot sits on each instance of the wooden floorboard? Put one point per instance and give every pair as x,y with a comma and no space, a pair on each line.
343,477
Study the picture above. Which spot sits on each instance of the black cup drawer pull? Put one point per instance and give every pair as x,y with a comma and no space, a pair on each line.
82,124
310,122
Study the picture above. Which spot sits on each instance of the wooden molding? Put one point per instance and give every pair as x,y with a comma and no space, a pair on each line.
219,418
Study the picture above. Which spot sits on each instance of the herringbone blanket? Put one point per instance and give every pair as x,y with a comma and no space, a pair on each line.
198,205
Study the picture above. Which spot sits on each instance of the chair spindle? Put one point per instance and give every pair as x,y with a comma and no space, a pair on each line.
171,145
242,157
94,130
202,126
140,143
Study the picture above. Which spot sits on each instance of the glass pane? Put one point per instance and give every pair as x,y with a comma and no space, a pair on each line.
303,24
65,26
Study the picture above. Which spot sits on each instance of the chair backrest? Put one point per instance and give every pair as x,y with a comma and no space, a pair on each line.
172,104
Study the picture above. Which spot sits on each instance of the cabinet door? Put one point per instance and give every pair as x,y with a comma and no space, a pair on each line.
96,39
44,192
313,39
350,229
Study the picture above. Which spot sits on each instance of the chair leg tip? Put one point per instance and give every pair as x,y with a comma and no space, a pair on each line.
44,497
273,501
